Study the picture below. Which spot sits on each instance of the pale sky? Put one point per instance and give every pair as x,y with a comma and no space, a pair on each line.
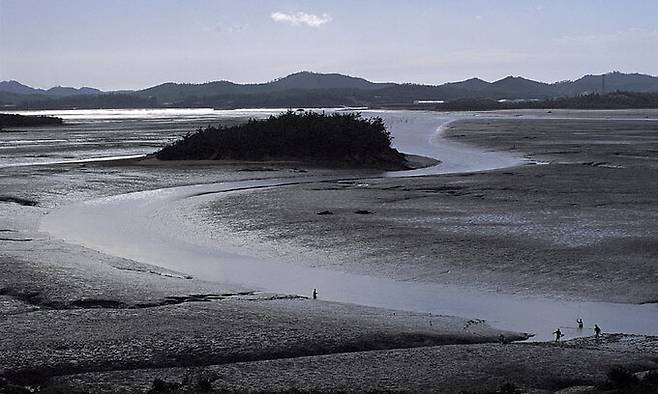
132,44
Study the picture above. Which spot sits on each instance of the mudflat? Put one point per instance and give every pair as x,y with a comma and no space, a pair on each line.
580,225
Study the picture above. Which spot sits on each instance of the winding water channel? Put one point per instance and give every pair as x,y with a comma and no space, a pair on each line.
139,226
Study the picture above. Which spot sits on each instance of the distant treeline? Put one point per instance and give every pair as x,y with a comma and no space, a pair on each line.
386,96
342,139
616,100
284,99
111,100
13,120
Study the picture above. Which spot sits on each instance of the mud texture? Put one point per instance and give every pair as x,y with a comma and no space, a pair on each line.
581,225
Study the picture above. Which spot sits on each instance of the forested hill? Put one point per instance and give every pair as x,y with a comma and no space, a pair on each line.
16,87
307,89
302,81
354,90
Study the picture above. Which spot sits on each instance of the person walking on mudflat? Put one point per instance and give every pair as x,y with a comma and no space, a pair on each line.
558,335
580,323
315,294
597,331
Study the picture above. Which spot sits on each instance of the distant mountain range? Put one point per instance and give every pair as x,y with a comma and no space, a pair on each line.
509,87
301,81
57,91
315,89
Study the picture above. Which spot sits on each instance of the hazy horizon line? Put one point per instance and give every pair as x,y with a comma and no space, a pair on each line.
105,90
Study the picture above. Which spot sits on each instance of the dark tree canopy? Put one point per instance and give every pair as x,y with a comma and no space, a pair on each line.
14,120
614,100
346,139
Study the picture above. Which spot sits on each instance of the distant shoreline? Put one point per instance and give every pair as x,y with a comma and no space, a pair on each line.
14,120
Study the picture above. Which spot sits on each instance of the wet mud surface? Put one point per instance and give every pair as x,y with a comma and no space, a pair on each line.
445,369
76,320
582,226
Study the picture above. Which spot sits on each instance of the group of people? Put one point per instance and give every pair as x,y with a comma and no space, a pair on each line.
558,333
597,330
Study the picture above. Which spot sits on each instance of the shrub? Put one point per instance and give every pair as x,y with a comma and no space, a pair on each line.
621,378
203,385
161,386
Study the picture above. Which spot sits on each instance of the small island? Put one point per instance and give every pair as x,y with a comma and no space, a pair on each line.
14,120
336,140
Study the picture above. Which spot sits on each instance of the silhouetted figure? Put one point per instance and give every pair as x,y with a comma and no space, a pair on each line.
558,335
597,331
315,294
502,339
580,323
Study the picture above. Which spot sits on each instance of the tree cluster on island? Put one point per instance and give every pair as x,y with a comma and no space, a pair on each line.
14,120
337,139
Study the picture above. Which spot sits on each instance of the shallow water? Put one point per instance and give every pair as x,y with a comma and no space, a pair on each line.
102,134
140,226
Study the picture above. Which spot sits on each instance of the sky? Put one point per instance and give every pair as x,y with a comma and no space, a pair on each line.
133,44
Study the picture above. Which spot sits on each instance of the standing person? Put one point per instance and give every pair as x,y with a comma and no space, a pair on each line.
558,335
315,294
597,331
580,323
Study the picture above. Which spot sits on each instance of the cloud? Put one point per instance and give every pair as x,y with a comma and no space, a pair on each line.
301,18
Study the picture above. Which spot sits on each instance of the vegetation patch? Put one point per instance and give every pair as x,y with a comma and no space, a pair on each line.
13,120
623,381
337,139
614,100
